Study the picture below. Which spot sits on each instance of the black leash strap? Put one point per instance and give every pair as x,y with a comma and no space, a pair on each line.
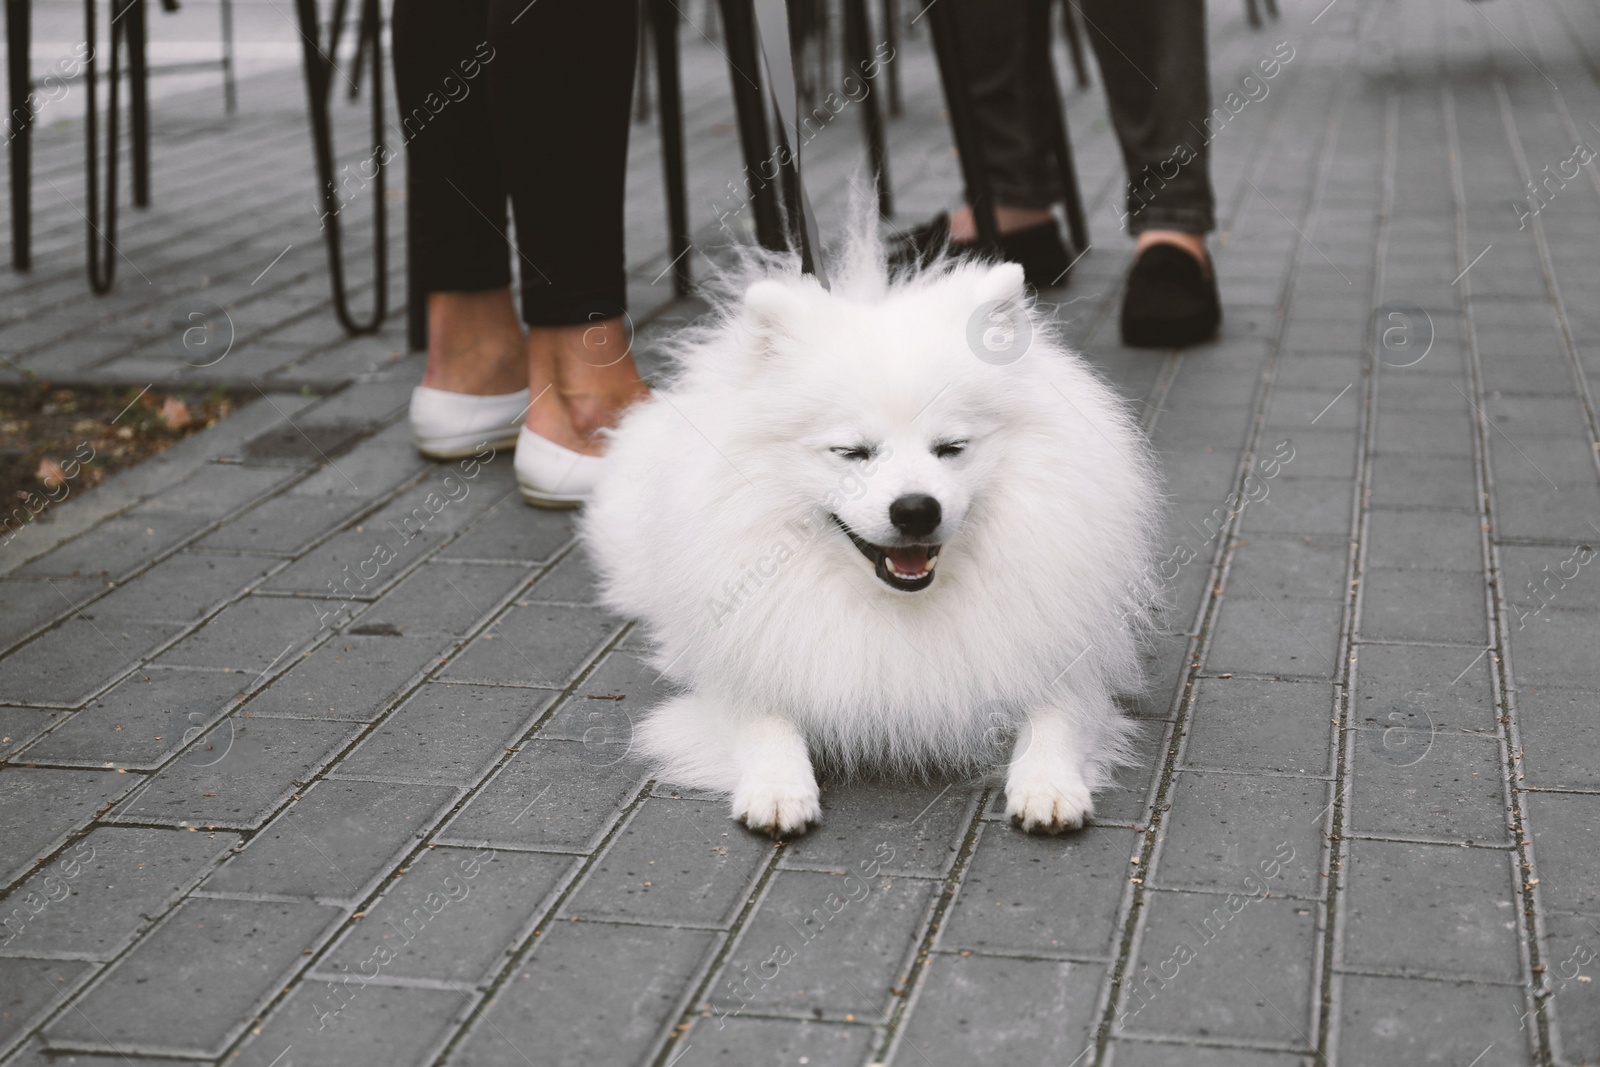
319,93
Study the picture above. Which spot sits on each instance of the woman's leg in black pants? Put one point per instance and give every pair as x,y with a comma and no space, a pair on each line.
560,93
456,212
561,90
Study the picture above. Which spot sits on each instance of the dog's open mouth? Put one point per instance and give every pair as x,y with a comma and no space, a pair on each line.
908,568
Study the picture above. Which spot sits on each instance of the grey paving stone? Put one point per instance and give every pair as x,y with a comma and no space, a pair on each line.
572,581
351,677
1425,540
1446,786
1554,648
30,989
1422,683
218,488
540,645
1421,605
513,531
319,1023
1536,510
1247,724
1317,453
92,900
1197,474
1293,408
715,1043
1278,636
250,635
119,546
1213,966
141,720
1439,909
978,1009
922,824
371,469
1406,479
440,598
1041,896
237,773
1539,578
40,807
284,524
447,733
1222,827
18,726
1147,1054
1293,566
334,842
593,714
558,795
239,953
839,944
451,917
1560,731
1564,825
678,862
356,564
179,589
1303,504
1573,1006
66,665
1411,1020
34,1055
33,604
559,1004
1434,433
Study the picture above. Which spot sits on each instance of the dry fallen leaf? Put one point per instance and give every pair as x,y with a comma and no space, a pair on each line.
175,413
50,473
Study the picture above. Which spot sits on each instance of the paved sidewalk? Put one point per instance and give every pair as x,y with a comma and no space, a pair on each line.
316,753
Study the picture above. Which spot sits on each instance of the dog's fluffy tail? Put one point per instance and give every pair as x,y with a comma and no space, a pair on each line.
684,743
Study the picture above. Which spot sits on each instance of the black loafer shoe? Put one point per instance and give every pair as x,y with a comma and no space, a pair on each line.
1039,249
1171,300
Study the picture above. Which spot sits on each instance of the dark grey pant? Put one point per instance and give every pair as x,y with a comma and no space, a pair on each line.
1152,59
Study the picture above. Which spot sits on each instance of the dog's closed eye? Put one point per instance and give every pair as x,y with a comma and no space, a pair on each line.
854,453
948,449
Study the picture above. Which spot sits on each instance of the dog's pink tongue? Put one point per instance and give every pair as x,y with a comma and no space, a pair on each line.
912,560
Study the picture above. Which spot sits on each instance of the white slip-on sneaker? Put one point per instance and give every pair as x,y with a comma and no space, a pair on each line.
551,475
452,425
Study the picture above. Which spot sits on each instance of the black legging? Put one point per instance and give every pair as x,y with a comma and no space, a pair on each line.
526,99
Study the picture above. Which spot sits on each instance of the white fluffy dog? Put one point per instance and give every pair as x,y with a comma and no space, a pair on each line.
876,525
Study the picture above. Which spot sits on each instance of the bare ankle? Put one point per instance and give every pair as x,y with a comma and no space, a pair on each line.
474,343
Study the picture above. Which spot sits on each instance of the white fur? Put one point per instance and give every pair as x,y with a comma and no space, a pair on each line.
709,524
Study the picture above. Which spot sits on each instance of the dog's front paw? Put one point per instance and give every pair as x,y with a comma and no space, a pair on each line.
1043,806
781,809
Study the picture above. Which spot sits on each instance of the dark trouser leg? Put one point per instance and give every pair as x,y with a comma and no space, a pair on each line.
1152,58
441,58
560,92
1010,118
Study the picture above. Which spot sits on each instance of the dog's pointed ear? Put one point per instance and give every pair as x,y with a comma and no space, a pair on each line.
1002,282
772,307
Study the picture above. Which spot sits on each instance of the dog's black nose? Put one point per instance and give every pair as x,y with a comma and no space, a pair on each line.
915,514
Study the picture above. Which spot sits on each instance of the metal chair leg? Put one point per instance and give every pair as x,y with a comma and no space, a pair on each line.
1061,142
641,77
969,146
1271,6
1074,35
744,70
19,125
319,85
102,226
669,92
1252,14
858,53
891,37
230,95
137,33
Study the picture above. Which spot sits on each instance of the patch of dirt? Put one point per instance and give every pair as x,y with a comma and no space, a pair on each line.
55,442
